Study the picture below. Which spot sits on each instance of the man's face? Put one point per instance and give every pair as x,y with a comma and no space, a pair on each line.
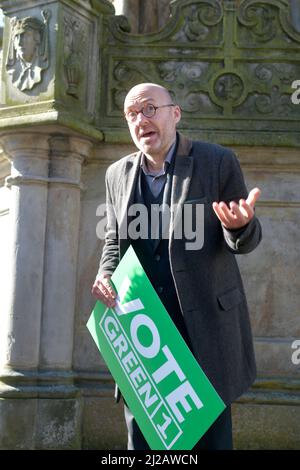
153,136
25,44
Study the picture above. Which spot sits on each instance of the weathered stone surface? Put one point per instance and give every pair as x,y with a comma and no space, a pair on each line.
20,329
274,356
17,423
61,249
58,424
145,16
103,424
266,426
39,423
52,78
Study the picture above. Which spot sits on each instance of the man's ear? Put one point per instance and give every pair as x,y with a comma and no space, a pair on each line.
177,113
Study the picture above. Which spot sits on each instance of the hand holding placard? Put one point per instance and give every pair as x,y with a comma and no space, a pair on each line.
171,398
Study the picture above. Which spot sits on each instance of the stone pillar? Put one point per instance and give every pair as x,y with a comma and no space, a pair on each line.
49,97
20,337
36,377
22,311
67,155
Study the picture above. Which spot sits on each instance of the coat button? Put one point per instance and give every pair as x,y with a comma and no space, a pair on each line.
160,290
157,257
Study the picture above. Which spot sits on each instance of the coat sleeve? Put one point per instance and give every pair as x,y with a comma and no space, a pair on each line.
232,188
110,253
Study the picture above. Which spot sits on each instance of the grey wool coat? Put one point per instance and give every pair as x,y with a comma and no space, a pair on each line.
207,281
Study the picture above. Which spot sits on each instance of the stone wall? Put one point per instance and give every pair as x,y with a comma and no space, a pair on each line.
144,16
60,130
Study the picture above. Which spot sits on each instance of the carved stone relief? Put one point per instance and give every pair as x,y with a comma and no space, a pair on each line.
206,88
260,19
188,83
261,22
200,22
268,90
74,49
221,59
228,87
28,50
275,101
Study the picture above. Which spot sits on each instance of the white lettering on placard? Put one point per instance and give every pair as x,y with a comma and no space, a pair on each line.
179,396
129,361
147,351
168,367
111,333
128,307
138,376
162,428
121,345
147,389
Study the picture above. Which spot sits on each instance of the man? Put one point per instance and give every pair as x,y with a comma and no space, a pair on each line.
201,288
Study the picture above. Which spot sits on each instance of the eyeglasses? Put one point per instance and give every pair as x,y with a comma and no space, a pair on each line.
148,111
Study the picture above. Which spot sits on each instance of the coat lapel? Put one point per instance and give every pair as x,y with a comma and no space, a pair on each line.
165,210
182,175
129,183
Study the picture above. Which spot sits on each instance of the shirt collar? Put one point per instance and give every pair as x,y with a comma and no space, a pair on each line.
167,163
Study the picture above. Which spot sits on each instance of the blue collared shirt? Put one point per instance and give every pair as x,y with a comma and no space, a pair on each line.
157,179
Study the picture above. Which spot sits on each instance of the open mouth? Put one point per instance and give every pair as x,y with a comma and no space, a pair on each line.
145,135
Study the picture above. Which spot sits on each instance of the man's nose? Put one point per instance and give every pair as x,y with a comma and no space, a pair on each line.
141,119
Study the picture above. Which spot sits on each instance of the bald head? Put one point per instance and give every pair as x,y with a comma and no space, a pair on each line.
147,89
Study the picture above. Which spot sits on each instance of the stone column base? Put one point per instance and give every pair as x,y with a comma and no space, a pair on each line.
64,411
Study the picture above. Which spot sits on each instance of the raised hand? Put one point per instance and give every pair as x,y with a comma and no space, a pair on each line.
237,215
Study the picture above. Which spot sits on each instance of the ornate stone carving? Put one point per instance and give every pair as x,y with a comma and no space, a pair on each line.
264,21
267,91
28,51
129,72
194,30
284,75
264,72
220,60
74,49
171,71
274,102
197,102
228,87
260,18
189,85
119,97
199,18
126,75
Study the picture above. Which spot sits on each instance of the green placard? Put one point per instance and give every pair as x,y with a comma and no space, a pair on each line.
169,395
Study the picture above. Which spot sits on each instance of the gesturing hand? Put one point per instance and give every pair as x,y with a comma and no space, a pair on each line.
237,215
